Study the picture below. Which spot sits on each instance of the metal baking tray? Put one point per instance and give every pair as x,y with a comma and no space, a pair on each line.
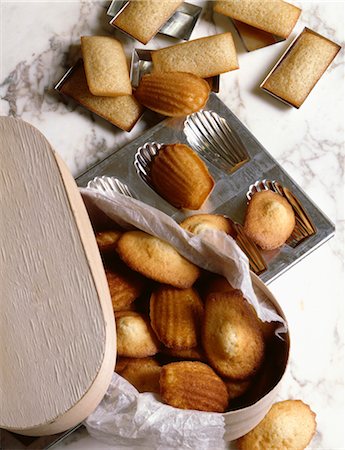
180,25
229,195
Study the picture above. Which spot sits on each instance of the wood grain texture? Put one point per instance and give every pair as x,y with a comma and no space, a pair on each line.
57,328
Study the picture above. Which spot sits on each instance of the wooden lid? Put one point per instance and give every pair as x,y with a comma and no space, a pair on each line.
57,328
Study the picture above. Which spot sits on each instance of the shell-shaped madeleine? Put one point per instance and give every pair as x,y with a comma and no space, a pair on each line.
232,338
192,385
181,177
173,94
176,316
269,220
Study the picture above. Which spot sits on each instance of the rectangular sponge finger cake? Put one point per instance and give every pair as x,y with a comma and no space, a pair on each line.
205,57
105,66
123,111
143,19
301,67
274,16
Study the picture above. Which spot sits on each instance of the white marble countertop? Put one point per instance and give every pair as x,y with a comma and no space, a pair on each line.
40,40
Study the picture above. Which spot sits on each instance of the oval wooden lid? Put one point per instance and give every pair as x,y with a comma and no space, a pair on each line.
57,328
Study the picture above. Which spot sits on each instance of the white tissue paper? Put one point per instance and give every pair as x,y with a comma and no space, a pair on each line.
127,418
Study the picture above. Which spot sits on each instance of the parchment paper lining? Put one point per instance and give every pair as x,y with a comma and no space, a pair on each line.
212,250
127,419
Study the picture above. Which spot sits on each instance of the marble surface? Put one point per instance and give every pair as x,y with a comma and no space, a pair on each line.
40,40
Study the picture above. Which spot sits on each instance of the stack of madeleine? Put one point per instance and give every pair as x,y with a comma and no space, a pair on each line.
183,333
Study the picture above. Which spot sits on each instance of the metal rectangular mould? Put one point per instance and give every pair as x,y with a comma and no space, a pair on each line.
253,38
180,25
229,194
141,64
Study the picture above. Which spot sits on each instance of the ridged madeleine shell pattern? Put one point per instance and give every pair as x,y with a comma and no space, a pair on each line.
193,385
213,138
173,94
109,186
176,316
181,177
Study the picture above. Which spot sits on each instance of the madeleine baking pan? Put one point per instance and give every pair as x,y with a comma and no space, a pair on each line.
229,196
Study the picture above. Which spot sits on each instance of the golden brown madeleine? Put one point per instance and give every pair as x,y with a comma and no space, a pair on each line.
173,94
232,337
215,283
176,316
236,388
269,220
125,285
106,240
143,374
200,222
181,177
135,337
121,363
105,66
156,259
289,425
193,385
189,354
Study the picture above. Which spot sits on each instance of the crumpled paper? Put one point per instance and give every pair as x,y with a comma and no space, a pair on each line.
125,417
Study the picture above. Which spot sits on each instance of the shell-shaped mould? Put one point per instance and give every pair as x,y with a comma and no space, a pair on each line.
264,185
143,159
256,260
109,186
304,226
211,136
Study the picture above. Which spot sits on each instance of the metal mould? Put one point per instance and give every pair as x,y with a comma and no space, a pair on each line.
116,7
181,24
257,262
143,159
212,137
67,75
109,185
252,38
